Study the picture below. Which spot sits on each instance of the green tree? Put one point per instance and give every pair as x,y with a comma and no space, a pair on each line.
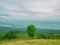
31,30
12,34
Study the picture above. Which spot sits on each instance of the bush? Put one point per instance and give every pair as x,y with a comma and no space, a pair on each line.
23,36
11,34
0,37
47,36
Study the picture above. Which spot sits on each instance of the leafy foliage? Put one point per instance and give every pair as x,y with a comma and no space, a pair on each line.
31,30
47,36
12,34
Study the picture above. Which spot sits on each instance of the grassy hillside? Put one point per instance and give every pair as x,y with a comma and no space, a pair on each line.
31,42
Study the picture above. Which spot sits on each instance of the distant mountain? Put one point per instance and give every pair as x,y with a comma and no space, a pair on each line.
42,26
23,30
47,31
13,22
4,29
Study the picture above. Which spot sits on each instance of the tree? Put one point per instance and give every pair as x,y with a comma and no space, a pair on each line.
31,30
12,34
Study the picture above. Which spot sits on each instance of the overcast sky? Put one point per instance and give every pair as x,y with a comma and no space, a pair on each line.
42,10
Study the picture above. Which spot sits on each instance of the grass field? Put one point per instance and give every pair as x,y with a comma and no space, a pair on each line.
31,42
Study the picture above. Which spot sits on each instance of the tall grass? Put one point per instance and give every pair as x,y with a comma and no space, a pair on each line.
31,42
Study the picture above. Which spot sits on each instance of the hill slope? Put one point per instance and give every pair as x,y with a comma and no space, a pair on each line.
31,42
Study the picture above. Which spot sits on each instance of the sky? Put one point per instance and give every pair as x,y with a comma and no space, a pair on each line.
36,10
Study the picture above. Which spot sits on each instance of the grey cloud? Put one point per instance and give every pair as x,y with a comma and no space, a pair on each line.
24,7
3,14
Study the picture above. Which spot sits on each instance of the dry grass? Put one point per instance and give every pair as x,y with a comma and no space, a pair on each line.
31,42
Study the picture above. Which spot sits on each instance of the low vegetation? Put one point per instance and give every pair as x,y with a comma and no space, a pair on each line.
13,34
14,37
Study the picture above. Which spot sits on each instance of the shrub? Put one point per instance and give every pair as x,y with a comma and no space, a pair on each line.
11,34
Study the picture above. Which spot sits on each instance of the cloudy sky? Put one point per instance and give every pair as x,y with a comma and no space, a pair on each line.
42,10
